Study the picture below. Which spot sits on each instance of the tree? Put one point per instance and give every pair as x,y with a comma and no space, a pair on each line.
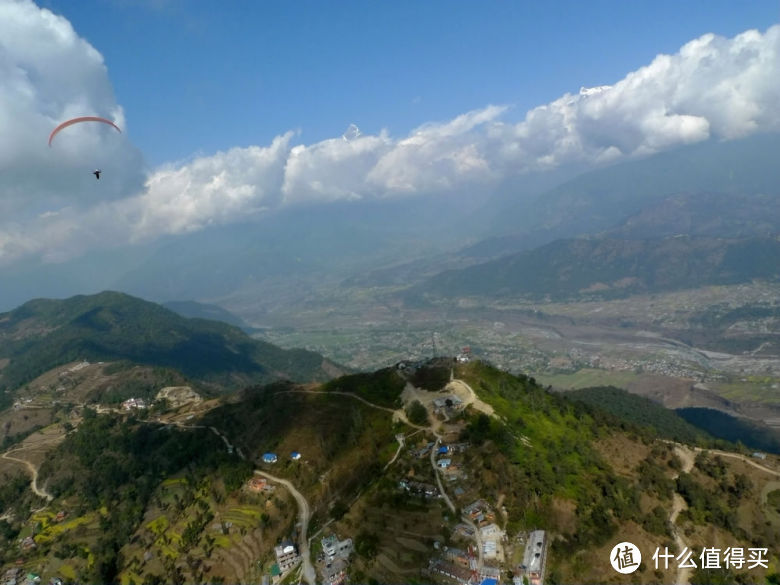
367,545
417,413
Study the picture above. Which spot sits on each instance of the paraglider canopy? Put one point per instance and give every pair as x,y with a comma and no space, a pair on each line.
79,120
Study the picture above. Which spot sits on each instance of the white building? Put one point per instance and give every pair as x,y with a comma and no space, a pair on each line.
333,547
533,560
286,556
132,403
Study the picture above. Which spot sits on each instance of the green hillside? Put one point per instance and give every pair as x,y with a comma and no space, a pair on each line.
640,411
111,326
730,428
163,501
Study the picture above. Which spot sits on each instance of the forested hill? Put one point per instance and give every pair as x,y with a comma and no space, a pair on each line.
44,333
610,267
640,411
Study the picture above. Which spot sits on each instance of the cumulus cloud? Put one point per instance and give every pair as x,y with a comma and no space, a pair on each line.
47,75
713,87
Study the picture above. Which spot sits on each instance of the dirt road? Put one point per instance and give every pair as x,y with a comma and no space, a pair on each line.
398,413
678,505
304,515
33,471
463,391
687,456
400,439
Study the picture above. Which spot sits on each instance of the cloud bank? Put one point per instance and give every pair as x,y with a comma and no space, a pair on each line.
47,75
714,87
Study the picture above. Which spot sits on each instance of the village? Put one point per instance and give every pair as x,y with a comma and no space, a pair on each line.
432,465
479,550
482,553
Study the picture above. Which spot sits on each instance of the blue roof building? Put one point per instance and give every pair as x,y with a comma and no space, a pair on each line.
269,458
295,455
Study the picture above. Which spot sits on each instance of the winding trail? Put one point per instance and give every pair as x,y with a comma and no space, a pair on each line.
686,455
398,413
400,438
678,505
42,493
744,458
37,440
304,515
304,511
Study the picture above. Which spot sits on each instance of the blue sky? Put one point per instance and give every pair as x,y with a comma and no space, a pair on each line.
201,76
234,109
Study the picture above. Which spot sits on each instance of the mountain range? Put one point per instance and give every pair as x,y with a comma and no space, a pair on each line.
608,267
716,189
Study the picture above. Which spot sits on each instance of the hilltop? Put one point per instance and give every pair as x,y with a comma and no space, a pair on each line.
404,461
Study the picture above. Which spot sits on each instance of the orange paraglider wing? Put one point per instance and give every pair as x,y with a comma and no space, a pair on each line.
78,120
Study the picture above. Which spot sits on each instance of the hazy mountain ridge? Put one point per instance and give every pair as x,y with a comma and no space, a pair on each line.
293,254
715,189
196,310
600,199
718,215
609,267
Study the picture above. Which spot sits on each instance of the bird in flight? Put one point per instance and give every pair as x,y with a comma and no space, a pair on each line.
97,172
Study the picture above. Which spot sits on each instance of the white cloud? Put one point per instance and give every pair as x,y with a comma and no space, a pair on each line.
217,189
47,75
712,88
